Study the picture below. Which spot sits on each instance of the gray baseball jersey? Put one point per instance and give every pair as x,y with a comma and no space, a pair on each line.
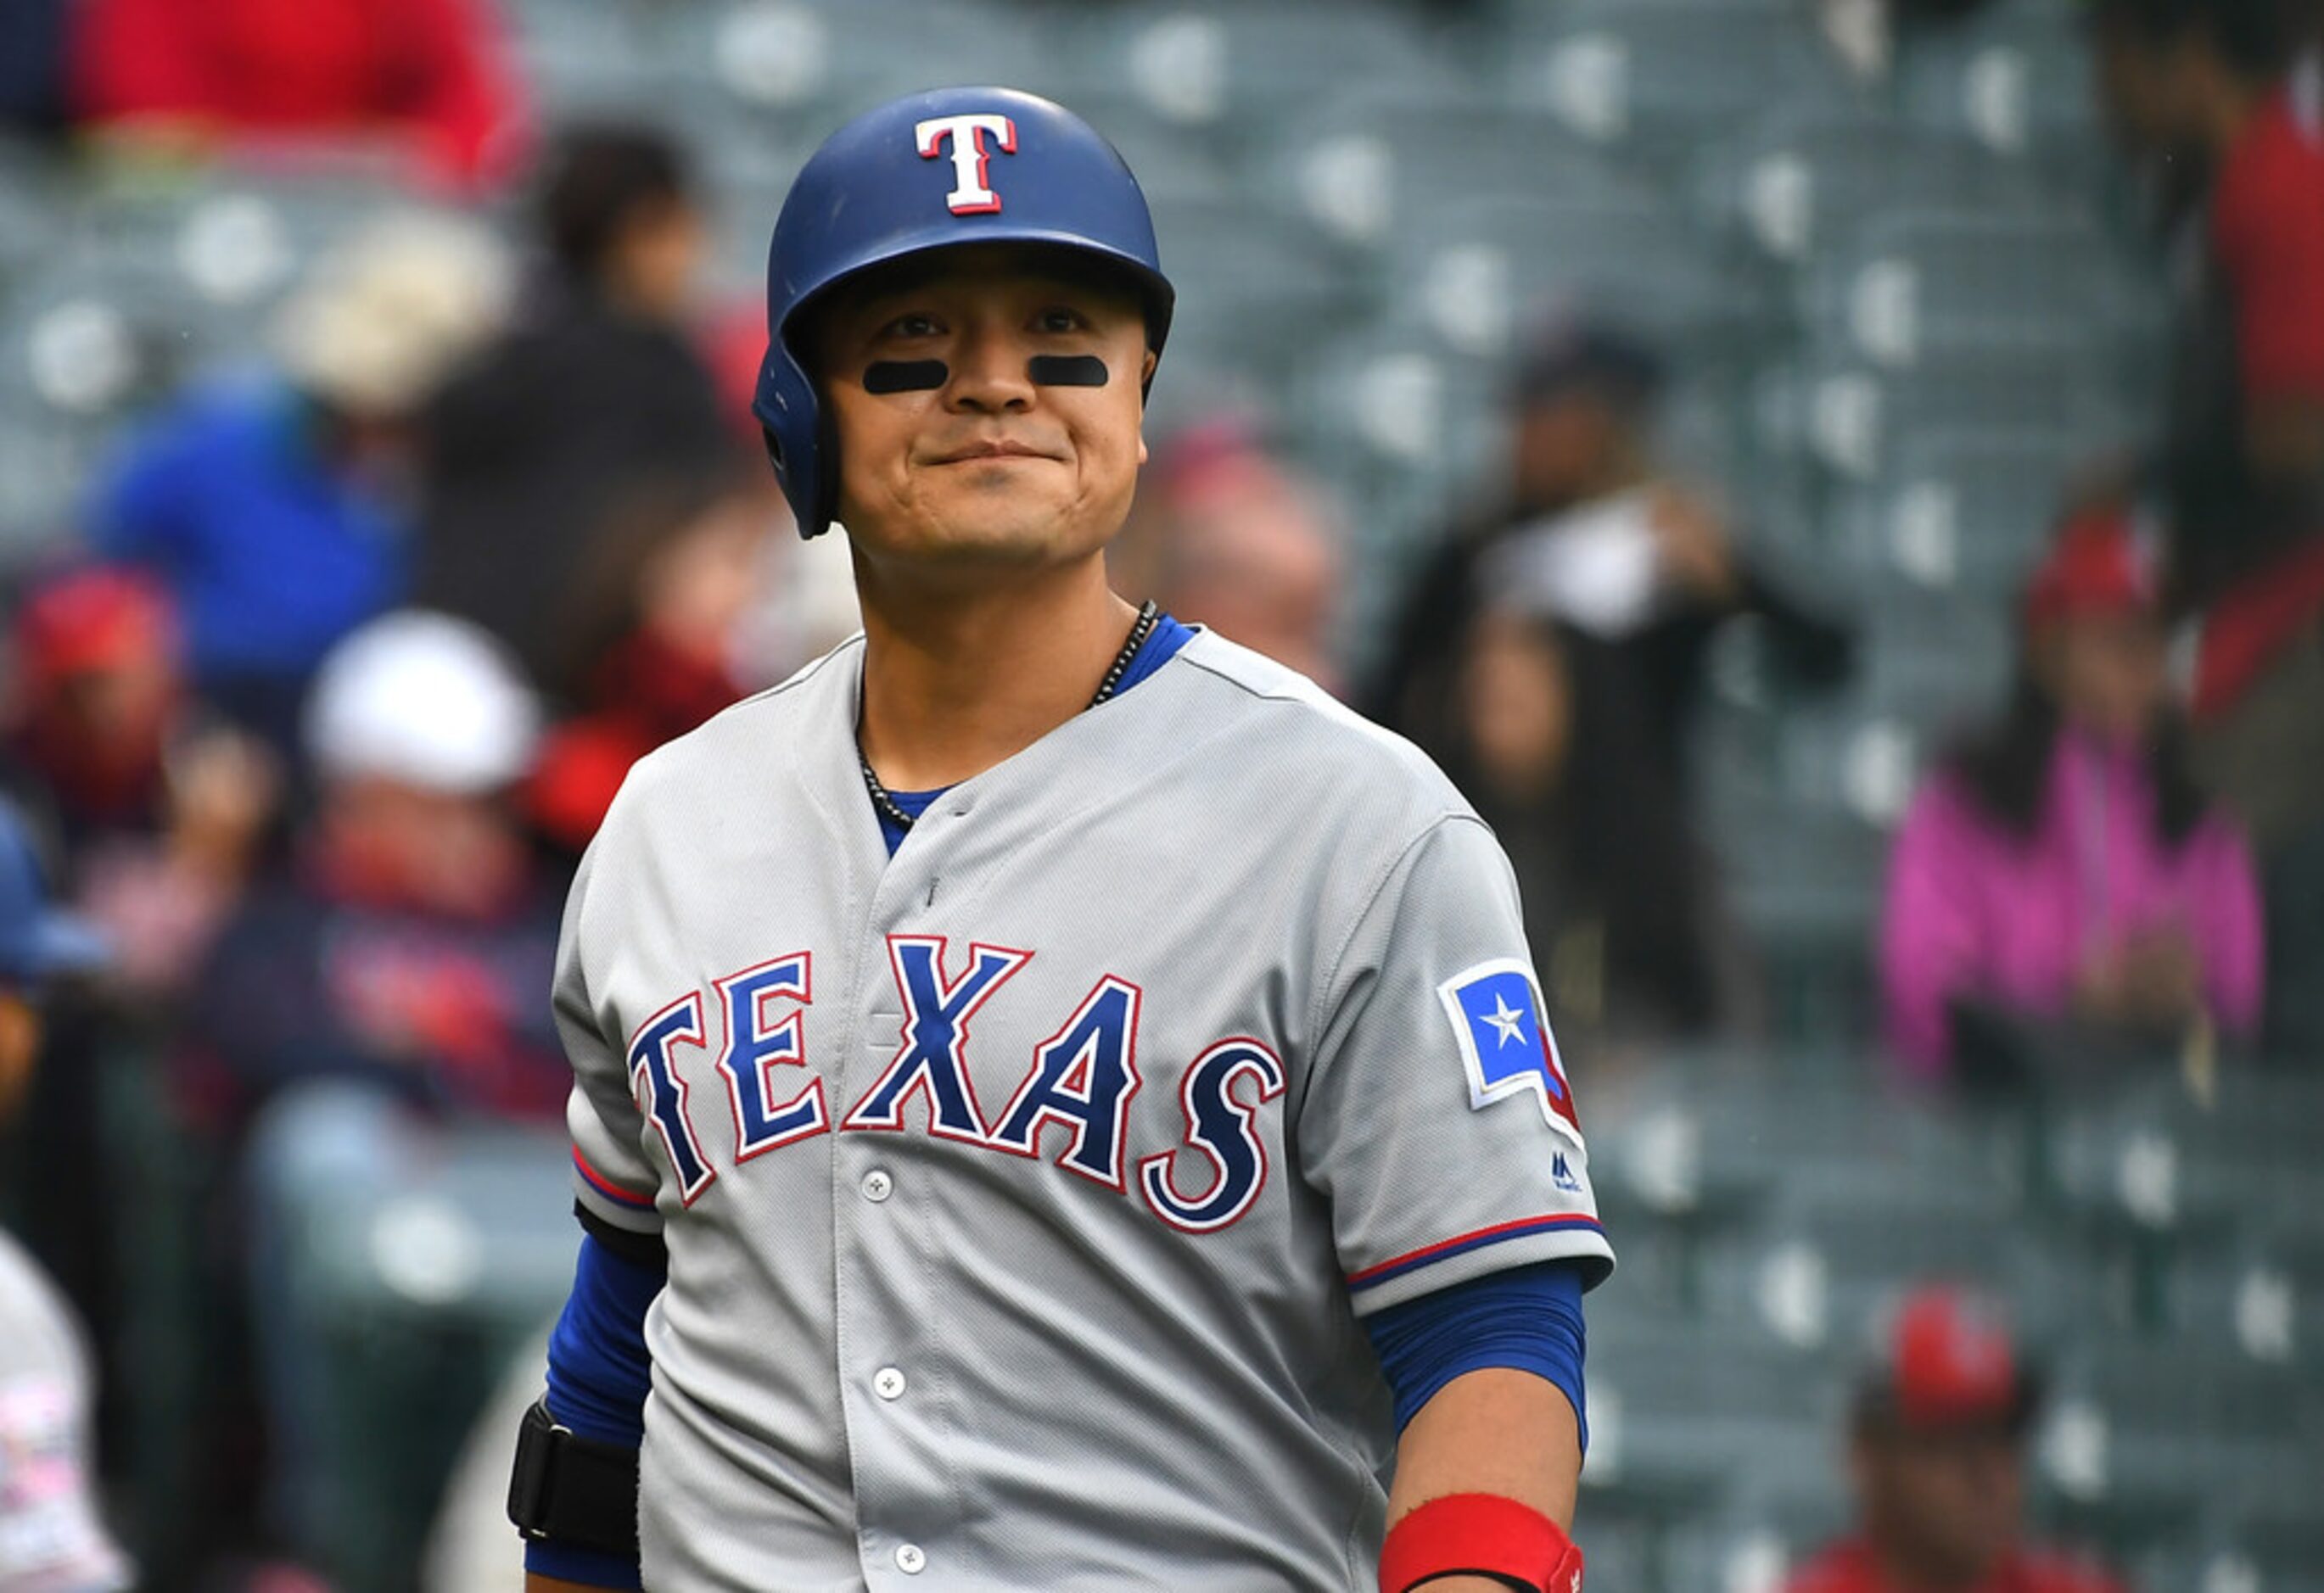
1023,1190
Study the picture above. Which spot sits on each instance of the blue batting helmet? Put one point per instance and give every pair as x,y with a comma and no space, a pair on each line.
935,170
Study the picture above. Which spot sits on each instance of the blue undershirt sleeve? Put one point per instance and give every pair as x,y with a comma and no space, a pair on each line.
599,1373
1526,1319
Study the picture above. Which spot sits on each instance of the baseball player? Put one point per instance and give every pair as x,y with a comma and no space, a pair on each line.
1059,1102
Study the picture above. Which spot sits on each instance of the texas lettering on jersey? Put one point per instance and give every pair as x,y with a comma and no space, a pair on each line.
1081,1080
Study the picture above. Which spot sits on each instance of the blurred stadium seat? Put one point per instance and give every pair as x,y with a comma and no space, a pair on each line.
1477,265
1793,181
416,1292
1379,166
1660,80
2017,79
1847,418
1965,513
1912,286
1231,74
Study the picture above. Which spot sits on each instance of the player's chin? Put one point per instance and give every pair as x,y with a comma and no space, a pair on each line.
1005,530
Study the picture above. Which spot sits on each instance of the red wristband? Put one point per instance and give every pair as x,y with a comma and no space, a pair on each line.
1479,1536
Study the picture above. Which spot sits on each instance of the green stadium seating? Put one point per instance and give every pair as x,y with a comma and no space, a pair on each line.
1908,286
1231,74
1660,80
1794,182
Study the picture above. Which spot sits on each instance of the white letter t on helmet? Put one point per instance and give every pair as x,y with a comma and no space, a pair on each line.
970,158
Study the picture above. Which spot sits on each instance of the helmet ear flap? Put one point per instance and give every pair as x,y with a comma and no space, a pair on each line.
796,430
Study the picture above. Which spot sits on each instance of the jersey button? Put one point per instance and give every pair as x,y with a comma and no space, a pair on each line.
911,1559
877,1186
888,1382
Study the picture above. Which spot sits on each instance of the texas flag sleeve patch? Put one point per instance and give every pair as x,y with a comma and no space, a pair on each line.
1501,1025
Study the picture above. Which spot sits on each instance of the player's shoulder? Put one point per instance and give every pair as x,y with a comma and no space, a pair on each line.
735,743
1310,741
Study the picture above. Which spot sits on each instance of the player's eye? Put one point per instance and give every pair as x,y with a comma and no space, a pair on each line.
911,325
1059,319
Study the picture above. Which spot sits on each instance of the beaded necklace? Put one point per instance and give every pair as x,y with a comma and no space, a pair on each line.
1147,617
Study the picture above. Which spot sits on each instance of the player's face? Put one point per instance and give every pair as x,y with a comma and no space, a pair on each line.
986,407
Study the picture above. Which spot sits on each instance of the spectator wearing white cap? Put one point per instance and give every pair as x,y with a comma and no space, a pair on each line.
409,945
271,503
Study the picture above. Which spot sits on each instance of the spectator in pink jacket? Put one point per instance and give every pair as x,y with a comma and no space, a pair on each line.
2063,871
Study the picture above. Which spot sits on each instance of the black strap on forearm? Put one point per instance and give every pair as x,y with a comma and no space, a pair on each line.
572,1490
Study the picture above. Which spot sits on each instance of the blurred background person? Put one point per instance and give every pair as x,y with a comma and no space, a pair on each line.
1936,1459
274,506
1592,531
52,1534
1619,905
596,393
656,643
95,686
403,948
387,980
428,78
162,810
32,67
2063,868
2208,87
1226,536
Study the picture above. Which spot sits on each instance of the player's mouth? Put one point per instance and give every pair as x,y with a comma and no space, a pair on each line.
982,452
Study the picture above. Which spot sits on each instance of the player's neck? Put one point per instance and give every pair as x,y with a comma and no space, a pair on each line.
955,682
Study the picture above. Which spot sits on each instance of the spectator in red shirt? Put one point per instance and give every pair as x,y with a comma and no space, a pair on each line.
426,73
656,632
2208,85
1937,1458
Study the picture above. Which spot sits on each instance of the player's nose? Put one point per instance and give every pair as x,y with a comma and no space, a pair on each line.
989,373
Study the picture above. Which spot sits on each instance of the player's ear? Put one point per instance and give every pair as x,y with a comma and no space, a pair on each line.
1145,379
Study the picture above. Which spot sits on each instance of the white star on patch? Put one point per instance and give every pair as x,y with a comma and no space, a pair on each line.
1506,1022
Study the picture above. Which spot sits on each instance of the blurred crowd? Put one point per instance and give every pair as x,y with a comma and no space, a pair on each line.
310,713
320,702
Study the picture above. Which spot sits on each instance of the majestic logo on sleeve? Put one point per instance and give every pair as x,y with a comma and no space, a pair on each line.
1505,1040
962,138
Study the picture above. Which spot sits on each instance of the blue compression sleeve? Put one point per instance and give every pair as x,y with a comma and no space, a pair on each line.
1528,1319
598,1376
